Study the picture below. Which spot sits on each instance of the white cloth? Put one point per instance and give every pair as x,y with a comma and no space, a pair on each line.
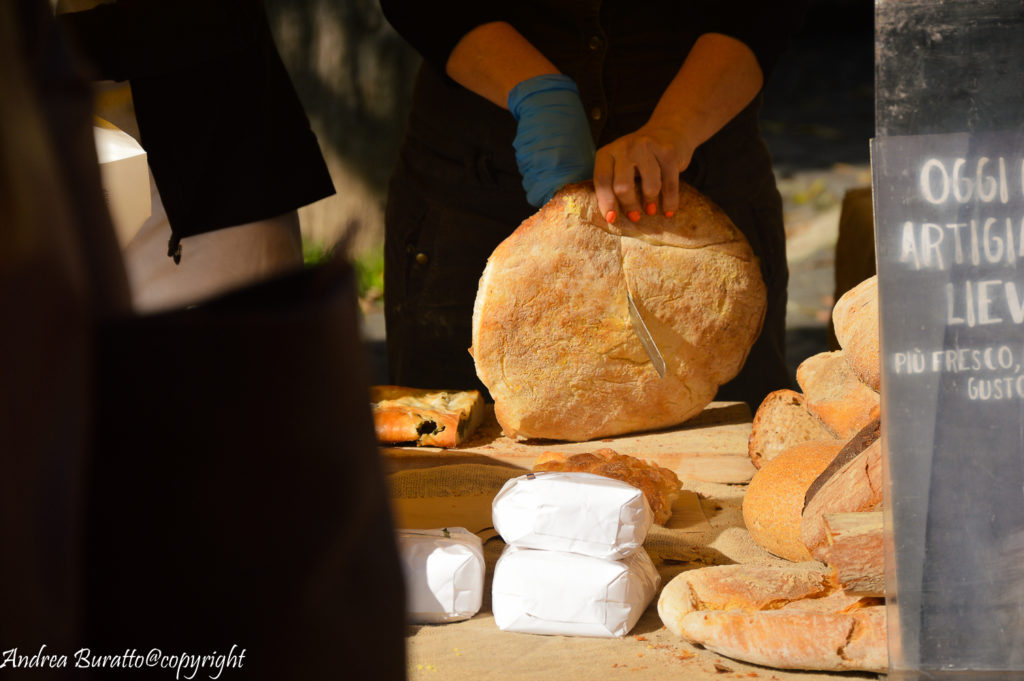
211,263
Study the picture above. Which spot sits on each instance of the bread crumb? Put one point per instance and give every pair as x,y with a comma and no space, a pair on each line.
721,668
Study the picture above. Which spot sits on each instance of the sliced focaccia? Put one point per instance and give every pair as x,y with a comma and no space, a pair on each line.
434,418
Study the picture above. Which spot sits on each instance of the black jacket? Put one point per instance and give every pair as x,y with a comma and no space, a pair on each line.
226,136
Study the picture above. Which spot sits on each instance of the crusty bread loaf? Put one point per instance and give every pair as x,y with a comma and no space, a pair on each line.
792,617
746,587
835,395
782,420
552,338
855,317
659,485
774,501
793,639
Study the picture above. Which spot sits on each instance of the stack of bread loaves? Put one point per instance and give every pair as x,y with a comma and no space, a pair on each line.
575,562
815,501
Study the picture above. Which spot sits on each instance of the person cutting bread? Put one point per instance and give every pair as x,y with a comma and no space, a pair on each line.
516,100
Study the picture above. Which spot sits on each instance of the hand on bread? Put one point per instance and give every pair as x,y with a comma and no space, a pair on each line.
657,154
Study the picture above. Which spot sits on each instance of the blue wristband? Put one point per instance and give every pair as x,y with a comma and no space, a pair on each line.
553,144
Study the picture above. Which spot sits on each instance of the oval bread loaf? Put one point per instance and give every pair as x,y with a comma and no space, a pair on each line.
774,503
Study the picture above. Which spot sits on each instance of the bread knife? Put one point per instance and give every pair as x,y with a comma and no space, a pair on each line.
639,327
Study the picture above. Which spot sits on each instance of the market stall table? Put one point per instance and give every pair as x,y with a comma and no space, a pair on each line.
433,488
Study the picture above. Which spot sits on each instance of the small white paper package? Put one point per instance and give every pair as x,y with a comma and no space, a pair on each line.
569,594
576,512
444,574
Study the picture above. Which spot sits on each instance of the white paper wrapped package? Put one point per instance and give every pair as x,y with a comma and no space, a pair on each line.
444,574
569,594
124,173
578,512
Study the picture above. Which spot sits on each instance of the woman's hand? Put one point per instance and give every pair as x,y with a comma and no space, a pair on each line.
656,154
719,77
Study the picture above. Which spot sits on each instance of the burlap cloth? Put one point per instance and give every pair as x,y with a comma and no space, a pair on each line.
706,528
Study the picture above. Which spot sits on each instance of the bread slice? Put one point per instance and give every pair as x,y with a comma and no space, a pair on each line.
835,395
855,317
435,418
791,617
659,485
552,338
782,421
774,500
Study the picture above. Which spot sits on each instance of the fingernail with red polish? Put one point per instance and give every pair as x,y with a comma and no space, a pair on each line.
610,216
633,215
651,208
669,213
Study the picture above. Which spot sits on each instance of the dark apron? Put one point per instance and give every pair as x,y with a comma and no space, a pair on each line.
456,193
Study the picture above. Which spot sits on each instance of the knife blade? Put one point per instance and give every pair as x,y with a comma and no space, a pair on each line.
639,327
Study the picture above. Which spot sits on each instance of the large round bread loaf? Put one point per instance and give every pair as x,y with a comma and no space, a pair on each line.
552,338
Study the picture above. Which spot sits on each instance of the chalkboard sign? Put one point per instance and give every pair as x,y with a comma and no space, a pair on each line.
949,216
948,179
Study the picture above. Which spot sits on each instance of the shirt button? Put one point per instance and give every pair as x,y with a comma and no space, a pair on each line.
595,43
422,258
596,113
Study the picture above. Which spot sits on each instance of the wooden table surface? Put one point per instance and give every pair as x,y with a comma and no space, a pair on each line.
711,447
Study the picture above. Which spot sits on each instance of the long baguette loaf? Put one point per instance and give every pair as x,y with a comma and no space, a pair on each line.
853,641
791,617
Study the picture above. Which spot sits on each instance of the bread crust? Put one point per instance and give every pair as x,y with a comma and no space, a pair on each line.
774,501
433,418
781,421
552,339
659,485
855,318
791,617
835,395
857,486
790,639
